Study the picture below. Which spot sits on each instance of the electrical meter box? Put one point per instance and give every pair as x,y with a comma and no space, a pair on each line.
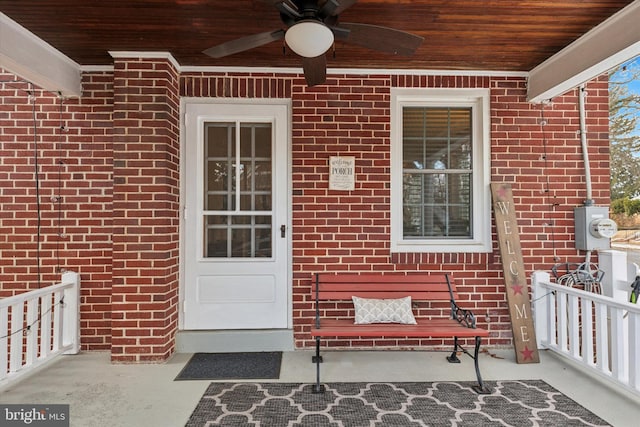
594,228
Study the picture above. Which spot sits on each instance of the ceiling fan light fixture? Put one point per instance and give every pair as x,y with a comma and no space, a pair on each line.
309,38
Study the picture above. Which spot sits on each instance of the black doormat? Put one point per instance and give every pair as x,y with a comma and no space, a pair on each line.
443,403
232,366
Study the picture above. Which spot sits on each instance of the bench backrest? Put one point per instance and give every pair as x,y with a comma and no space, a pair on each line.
423,287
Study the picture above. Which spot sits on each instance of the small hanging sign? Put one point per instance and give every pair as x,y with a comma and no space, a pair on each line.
342,173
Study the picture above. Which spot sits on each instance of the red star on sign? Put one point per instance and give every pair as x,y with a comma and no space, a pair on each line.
517,289
502,191
526,353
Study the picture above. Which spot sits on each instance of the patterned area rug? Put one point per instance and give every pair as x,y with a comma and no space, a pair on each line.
513,403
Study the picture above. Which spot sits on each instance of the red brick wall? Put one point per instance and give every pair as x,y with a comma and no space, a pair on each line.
75,171
336,231
145,209
120,191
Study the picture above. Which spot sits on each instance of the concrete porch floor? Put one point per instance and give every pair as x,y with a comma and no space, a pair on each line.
112,395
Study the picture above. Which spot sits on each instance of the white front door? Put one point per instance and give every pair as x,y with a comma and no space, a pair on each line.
236,225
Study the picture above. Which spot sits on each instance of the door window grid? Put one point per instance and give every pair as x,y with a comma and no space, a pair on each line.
237,218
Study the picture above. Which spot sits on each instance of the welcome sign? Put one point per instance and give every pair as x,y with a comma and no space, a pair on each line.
342,175
524,338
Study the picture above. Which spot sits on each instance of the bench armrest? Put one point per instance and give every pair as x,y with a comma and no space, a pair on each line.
464,317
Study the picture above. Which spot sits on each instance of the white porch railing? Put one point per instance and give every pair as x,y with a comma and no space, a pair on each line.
596,331
37,326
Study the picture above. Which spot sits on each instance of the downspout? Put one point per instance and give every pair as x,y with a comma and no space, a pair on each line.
585,157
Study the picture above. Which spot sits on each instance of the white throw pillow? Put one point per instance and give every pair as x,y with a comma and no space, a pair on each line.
383,311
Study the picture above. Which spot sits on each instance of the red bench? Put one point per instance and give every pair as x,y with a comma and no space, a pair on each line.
459,323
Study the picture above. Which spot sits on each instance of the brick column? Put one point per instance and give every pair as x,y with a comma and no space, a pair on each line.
146,209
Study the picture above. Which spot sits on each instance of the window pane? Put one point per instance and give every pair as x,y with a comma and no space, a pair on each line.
217,202
218,174
219,166
262,172
246,176
263,141
413,138
255,176
218,137
241,243
238,236
436,188
246,140
460,136
413,122
263,243
216,244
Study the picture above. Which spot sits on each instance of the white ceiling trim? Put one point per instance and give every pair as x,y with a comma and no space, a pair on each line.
293,70
146,55
611,43
31,58
356,71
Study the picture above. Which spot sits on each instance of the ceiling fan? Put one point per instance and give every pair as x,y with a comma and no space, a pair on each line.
312,27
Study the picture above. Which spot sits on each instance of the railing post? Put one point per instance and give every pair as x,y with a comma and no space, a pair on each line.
71,313
614,282
634,350
615,285
540,307
633,271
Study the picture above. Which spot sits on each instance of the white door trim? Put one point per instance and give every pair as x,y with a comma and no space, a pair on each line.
183,162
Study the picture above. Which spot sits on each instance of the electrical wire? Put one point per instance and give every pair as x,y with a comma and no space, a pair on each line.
31,92
58,197
33,100
547,190
544,296
27,328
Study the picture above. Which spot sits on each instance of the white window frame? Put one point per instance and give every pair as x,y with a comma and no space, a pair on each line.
478,101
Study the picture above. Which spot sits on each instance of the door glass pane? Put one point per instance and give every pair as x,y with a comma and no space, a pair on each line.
237,218
219,166
241,242
218,137
216,244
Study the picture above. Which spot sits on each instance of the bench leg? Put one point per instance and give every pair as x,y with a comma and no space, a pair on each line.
454,355
480,388
317,359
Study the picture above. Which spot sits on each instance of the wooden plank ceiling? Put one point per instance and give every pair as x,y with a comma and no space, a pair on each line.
459,34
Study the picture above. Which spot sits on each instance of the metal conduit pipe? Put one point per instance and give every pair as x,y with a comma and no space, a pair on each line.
585,157
583,141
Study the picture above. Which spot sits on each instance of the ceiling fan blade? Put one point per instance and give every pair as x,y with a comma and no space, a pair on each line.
286,7
335,7
244,43
384,39
315,69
